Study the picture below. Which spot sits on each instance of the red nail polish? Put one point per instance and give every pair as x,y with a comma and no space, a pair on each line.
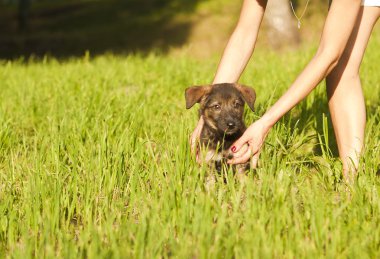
233,149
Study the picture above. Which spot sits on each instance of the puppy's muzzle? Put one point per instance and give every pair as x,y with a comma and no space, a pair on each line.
230,127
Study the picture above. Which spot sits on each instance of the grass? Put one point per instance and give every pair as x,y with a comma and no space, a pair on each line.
94,162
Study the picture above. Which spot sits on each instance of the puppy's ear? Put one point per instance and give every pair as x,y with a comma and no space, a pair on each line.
194,94
248,94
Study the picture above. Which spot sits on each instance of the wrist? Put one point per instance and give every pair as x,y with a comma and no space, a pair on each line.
267,121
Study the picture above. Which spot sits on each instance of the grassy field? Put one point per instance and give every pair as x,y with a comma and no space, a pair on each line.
94,162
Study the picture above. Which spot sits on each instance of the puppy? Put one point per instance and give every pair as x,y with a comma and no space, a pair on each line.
222,108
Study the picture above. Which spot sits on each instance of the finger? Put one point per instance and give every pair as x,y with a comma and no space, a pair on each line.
197,158
194,139
195,135
235,147
193,143
241,151
242,159
255,160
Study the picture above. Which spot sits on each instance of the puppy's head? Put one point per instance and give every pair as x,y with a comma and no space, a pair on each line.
222,105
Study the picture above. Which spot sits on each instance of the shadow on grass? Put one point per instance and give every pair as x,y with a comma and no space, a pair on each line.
319,110
319,107
69,28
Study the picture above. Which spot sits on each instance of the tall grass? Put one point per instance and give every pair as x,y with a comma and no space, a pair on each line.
95,162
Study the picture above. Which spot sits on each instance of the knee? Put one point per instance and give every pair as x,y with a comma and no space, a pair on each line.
346,69
342,72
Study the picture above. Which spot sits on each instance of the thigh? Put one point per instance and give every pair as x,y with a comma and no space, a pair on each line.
354,51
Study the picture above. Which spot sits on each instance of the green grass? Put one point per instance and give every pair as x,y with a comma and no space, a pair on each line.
94,162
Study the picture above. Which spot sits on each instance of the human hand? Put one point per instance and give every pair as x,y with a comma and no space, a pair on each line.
249,144
194,138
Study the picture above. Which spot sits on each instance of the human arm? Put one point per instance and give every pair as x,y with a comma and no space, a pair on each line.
238,51
241,43
337,30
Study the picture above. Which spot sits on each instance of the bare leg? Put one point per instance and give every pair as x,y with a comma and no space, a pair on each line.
346,101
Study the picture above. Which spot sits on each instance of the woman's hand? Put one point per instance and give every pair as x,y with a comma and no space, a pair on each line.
194,138
249,144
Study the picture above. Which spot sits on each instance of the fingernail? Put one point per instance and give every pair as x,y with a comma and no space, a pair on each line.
233,149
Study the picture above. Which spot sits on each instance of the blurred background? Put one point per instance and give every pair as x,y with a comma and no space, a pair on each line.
67,28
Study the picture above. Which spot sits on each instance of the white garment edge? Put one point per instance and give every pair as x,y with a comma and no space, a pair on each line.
370,2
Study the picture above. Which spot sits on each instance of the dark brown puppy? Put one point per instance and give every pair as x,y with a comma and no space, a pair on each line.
222,108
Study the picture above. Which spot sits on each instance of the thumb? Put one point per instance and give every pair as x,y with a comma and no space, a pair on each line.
236,146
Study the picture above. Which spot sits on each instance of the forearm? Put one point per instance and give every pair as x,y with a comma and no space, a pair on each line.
314,72
337,30
241,44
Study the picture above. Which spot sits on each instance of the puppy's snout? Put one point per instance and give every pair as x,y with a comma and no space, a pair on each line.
231,124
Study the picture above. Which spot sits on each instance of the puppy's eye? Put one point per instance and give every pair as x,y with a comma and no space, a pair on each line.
216,107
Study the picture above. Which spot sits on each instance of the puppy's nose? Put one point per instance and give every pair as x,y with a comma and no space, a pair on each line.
231,124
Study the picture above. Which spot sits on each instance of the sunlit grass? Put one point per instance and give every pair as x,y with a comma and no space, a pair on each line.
94,162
